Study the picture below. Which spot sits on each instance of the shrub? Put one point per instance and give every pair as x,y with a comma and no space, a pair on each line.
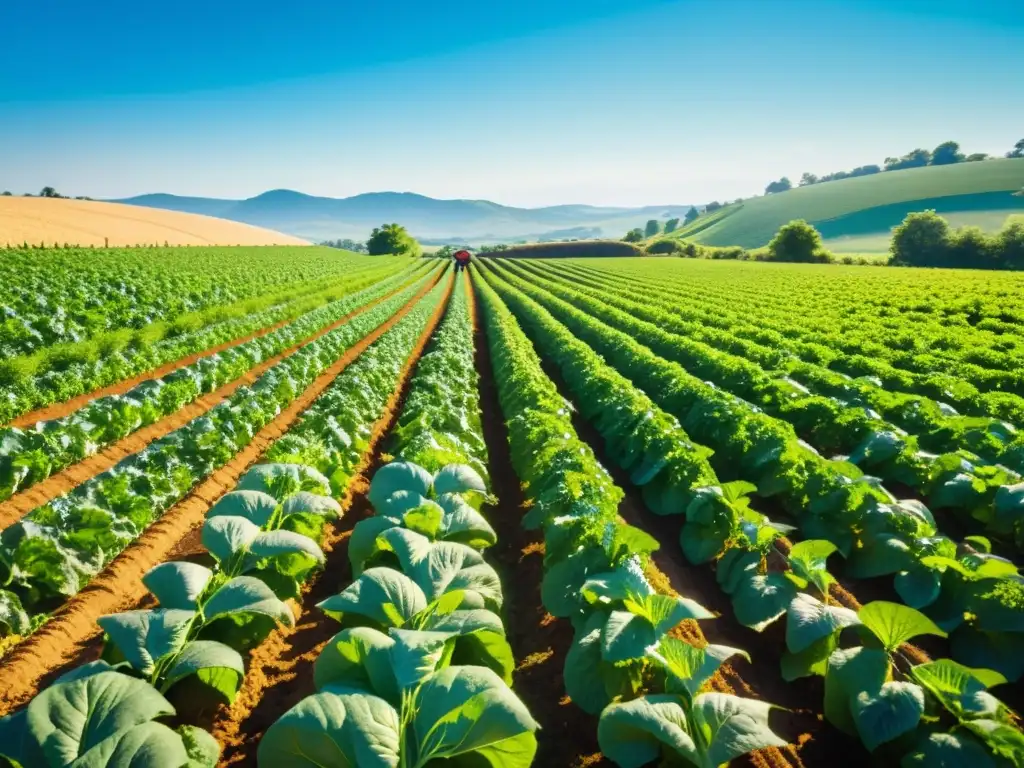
798,242
922,240
665,247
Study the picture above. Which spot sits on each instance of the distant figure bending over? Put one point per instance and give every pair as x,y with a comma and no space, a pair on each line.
461,260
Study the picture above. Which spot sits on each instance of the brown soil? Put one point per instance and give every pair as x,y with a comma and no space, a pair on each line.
568,735
280,670
119,587
59,483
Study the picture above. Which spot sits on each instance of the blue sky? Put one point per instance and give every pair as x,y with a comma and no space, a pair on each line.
524,102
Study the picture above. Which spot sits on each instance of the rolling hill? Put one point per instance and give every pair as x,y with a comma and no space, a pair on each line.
858,214
84,222
429,219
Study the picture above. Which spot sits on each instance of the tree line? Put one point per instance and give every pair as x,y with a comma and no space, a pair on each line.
46,192
947,153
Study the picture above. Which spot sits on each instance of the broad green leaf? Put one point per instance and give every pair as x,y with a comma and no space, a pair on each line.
202,748
255,506
470,711
960,689
425,519
362,544
735,726
13,618
334,730
813,660
1003,738
226,536
359,658
305,502
689,667
760,599
398,476
583,665
217,666
178,585
948,750
918,587
416,655
369,595
277,543
458,478
851,671
883,715
808,559
633,734
400,502
999,651
147,744
271,478
69,719
464,524
628,634
894,624
562,584
245,594
809,620
145,637
616,586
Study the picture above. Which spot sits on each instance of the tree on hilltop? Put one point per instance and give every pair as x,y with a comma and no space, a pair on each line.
6,193
652,228
671,225
782,185
49,192
947,153
976,157
691,215
808,179
634,236
392,239
1017,151
918,158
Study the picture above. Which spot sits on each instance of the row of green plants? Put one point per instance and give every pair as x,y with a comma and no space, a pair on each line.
852,423
52,552
59,296
976,599
165,663
420,669
58,373
646,685
31,455
872,690
942,351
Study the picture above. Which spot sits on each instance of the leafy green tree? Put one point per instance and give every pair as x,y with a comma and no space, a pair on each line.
6,194
915,159
808,179
797,241
691,215
652,228
671,225
976,157
922,240
392,239
782,185
49,192
714,205
1018,150
634,236
947,153
1010,242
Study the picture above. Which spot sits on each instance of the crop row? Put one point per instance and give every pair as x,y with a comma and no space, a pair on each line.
54,550
765,584
29,456
825,344
62,372
595,576
263,538
990,498
420,668
971,594
66,295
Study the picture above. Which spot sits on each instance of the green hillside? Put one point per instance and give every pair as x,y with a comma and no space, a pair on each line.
859,213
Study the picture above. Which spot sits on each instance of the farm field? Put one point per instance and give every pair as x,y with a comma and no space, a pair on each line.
36,220
300,507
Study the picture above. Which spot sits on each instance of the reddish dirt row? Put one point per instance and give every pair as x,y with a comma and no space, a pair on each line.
280,670
119,587
59,483
540,642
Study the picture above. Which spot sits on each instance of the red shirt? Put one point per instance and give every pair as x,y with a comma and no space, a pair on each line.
462,256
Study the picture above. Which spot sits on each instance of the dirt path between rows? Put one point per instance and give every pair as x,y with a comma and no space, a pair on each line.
119,586
540,642
59,483
279,672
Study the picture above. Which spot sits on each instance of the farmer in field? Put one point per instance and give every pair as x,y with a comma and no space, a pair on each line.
461,260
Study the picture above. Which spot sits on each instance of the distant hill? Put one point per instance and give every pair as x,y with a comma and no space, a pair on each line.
471,221
858,214
36,220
